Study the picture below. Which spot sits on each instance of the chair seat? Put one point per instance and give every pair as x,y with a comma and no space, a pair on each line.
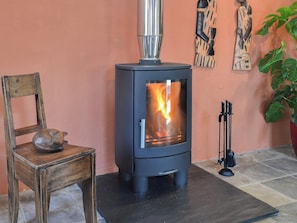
63,168
27,152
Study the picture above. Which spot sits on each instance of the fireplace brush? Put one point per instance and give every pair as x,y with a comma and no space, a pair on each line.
228,155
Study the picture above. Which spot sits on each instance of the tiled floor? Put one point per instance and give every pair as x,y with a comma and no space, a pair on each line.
269,175
65,207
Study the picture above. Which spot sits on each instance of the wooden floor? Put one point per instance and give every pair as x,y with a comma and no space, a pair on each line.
206,198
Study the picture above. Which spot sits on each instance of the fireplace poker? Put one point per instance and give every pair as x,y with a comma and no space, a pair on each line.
220,160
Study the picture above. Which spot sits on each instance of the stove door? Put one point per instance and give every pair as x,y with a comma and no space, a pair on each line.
162,112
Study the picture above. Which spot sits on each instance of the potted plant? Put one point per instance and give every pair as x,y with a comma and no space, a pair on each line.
282,67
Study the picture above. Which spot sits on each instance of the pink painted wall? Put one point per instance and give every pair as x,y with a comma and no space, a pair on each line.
75,44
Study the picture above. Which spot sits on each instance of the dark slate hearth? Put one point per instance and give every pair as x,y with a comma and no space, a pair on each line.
206,198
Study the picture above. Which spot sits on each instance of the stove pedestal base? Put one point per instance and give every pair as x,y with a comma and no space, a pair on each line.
141,183
181,178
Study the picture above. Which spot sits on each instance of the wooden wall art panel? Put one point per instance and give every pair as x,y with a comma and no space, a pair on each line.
242,60
205,33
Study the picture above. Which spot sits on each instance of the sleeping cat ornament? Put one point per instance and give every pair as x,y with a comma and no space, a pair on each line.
49,140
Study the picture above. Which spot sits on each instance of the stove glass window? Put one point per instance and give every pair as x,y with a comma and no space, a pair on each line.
166,104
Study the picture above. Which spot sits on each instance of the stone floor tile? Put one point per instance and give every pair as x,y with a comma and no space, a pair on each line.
65,206
21,218
238,179
287,213
266,220
257,156
286,165
3,209
71,214
258,172
267,194
61,201
285,150
286,185
210,166
214,168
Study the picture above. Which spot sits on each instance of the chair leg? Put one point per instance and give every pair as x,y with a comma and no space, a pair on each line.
89,195
41,198
13,198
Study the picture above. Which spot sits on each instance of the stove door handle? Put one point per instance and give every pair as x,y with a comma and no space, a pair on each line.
168,172
142,133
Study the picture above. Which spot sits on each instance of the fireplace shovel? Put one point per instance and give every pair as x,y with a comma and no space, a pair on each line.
228,159
230,154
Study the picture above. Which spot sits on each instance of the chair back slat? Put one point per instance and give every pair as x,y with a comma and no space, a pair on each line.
26,130
21,86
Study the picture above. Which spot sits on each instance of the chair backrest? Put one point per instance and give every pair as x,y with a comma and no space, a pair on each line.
20,86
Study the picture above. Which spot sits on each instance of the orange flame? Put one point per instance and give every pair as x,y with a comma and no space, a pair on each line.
163,102
164,118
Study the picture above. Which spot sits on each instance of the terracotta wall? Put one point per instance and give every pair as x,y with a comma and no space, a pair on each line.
75,44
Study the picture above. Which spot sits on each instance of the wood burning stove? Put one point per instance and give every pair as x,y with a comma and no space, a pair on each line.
153,121
153,105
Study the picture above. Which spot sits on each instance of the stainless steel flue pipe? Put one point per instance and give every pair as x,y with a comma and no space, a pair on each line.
150,30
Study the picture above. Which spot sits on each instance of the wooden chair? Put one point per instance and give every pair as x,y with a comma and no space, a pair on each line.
42,172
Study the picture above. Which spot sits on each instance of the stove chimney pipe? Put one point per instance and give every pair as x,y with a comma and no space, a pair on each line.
150,30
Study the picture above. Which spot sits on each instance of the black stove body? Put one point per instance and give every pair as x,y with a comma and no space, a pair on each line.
153,110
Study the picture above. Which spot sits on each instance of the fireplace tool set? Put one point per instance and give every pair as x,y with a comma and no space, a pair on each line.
228,155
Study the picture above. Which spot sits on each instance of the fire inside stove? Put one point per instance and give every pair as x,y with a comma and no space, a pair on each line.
165,113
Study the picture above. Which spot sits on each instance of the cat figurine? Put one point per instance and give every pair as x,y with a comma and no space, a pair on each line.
48,140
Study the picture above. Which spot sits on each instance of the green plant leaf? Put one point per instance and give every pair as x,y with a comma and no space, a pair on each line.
270,20
292,101
277,81
294,5
289,69
286,94
285,13
291,27
279,95
275,112
271,58
276,67
264,30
